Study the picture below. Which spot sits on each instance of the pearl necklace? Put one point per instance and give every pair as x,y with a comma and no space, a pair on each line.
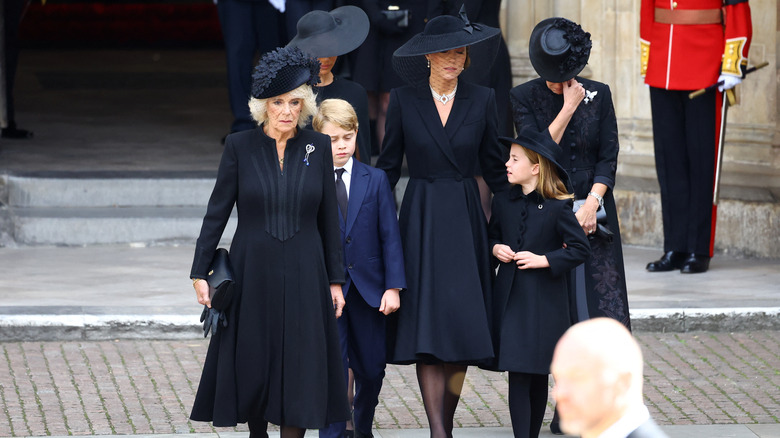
444,98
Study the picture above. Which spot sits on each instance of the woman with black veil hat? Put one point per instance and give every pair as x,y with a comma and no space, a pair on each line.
278,360
326,36
580,117
445,127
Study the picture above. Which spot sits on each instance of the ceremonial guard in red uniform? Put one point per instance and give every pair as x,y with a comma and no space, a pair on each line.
688,45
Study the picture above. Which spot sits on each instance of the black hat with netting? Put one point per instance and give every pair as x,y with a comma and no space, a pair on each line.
283,70
447,32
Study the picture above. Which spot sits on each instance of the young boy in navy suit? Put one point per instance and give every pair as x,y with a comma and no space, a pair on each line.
373,261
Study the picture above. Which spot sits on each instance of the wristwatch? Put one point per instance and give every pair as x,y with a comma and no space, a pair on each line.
598,198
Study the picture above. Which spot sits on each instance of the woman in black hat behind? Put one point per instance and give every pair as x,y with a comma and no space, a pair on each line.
278,360
326,36
445,128
579,115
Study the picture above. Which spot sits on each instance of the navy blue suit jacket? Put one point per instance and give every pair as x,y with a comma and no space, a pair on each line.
373,255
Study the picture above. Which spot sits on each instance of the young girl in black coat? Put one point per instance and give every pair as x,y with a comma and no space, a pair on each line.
536,238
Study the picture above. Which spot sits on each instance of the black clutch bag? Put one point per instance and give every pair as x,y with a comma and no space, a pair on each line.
399,16
601,221
220,280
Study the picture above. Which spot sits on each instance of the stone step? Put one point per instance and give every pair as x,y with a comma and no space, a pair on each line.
72,192
106,225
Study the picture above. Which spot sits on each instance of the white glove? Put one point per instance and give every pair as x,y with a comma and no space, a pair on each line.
729,82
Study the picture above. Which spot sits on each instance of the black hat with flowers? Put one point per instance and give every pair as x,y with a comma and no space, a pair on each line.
283,70
442,33
559,49
542,144
324,34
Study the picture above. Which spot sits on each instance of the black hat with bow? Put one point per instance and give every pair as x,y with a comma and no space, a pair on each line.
442,33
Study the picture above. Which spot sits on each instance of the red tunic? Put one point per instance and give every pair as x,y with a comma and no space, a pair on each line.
690,56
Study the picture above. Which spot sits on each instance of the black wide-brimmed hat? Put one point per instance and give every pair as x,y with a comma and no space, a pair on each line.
283,70
559,49
541,143
442,33
324,34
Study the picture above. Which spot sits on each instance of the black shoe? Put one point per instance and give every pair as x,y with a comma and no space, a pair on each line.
16,133
359,434
349,433
695,264
668,262
555,424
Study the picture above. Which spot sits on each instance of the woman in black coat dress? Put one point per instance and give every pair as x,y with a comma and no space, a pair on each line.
446,128
579,115
327,36
278,360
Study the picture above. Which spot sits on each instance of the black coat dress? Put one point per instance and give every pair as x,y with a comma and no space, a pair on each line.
531,306
355,94
590,150
279,358
443,314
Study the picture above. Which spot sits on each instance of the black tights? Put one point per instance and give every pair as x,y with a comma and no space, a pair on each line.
259,429
527,402
440,385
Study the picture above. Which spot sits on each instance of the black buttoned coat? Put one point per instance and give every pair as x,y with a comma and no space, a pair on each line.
531,306
443,313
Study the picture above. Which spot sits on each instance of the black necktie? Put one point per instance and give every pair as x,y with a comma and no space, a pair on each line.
341,193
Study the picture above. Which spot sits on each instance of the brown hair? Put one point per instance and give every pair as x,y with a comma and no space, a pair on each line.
549,185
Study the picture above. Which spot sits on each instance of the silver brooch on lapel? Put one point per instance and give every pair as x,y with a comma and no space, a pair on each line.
309,149
590,95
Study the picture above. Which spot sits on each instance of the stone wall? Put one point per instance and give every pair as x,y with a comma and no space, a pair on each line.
750,194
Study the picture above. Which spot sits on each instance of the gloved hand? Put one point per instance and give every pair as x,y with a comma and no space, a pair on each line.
211,319
387,26
729,82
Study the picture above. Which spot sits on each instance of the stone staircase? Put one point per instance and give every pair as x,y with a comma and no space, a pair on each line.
78,209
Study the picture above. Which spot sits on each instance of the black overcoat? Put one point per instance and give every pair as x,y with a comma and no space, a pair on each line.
443,313
279,358
531,306
589,154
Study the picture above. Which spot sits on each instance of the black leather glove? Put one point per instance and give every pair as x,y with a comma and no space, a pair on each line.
211,319
387,26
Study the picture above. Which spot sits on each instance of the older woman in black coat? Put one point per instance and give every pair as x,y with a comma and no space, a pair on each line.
446,128
278,360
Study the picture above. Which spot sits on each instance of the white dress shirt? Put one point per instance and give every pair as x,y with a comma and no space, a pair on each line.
627,423
346,176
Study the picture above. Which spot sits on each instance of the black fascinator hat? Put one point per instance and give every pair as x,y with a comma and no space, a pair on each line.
542,144
442,33
324,34
559,49
283,70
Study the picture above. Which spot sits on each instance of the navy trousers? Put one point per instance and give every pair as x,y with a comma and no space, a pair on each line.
362,336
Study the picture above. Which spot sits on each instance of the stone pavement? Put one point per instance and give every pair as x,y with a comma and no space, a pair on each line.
86,349
125,387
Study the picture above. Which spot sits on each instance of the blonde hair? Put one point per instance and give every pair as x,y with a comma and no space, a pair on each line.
338,112
259,107
549,185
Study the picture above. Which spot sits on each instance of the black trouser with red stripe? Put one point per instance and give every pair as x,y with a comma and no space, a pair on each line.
685,137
